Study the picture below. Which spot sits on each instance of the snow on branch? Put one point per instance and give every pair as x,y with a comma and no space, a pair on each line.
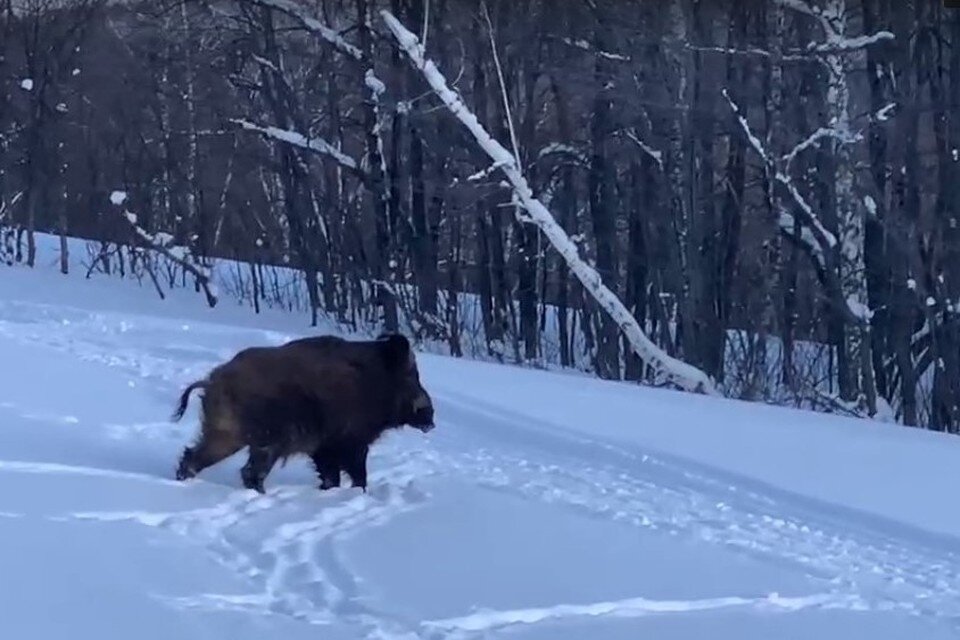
311,24
851,44
316,145
814,237
562,149
4,205
752,51
814,138
807,239
483,174
646,148
812,219
832,20
586,46
266,63
803,7
162,243
298,13
532,210
883,114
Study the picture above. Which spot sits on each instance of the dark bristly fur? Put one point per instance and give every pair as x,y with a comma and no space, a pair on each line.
324,397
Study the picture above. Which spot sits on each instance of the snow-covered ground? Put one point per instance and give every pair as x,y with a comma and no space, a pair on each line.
544,505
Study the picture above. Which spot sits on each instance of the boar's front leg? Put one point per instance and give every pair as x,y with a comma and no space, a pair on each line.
355,464
326,460
259,463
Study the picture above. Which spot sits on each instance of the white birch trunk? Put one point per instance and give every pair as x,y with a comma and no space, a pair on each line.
193,164
851,214
678,172
166,197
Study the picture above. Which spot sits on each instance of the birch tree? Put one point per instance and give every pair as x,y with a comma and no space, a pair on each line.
838,254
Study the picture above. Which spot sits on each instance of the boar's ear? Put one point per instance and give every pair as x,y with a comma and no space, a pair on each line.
395,349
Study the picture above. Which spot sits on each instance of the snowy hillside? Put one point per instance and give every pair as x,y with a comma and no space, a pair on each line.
543,505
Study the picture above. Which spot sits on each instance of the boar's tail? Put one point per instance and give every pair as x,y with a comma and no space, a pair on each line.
185,398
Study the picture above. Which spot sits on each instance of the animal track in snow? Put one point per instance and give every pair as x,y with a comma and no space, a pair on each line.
45,468
489,620
890,574
292,563
297,574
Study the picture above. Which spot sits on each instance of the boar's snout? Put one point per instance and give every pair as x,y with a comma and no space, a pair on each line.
422,412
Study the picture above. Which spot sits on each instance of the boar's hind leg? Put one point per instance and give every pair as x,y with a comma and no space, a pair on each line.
354,461
259,463
327,461
209,451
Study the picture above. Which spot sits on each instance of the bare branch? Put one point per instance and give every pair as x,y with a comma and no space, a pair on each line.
503,86
316,145
828,238
835,41
803,7
650,151
162,244
814,138
311,24
814,238
753,51
852,44
563,149
586,46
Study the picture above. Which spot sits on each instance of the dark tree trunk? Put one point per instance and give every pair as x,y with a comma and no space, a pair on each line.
384,198
602,206
879,274
641,184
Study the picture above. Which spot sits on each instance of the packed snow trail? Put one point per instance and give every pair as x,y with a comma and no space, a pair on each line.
500,523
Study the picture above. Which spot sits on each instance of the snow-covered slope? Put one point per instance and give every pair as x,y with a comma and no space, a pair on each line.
543,506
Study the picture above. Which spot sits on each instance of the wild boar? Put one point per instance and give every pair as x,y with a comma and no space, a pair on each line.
324,397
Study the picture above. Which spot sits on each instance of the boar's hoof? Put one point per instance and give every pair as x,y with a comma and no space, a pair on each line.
252,480
255,484
326,484
185,469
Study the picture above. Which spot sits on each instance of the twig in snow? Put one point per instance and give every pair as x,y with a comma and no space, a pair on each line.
161,243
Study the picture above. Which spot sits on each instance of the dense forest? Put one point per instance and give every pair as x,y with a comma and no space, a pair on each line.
767,190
